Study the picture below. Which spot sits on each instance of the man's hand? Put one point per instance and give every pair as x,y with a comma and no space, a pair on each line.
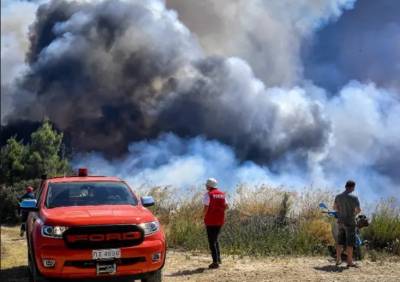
335,206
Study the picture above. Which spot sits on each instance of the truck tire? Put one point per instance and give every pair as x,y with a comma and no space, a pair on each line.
154,277
34,274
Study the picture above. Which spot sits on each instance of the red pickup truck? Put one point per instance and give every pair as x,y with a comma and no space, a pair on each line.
92,227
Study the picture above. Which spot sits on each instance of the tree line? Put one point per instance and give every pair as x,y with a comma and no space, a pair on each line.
23,163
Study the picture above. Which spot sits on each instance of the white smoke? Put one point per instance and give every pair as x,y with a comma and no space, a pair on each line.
365,138
181,163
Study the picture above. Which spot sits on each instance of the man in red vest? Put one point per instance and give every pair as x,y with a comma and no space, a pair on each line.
215,205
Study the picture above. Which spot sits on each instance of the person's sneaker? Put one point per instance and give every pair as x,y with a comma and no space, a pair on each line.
352,265
21,233
213,265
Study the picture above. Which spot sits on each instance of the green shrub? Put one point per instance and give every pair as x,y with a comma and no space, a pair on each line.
181,218
187,234
384,231
257,235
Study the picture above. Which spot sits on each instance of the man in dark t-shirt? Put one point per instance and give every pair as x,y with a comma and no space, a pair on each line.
347,207
24,215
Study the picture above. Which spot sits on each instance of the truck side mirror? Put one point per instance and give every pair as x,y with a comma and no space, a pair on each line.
29,205
147,201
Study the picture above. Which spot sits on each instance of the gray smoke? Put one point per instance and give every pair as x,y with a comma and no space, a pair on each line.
115,72
159,103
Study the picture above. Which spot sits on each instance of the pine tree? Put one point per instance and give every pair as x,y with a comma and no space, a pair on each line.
42,156
44,153
13,156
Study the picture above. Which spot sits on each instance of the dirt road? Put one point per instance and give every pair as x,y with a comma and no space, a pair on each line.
185,266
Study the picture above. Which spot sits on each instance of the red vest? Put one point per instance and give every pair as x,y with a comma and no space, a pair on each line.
215,215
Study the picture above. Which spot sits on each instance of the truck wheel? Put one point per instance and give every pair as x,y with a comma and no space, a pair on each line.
34,274
153,277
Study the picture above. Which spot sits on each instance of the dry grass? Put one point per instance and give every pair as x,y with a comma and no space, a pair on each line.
262,200
13,248
267,220
261,220
192,266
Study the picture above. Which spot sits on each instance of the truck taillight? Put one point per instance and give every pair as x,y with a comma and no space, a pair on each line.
83,171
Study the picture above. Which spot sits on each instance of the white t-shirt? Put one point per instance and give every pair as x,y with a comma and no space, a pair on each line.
206,199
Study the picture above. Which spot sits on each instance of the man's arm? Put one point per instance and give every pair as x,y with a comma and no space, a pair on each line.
357,208
335,205
205,209
206,202
226,204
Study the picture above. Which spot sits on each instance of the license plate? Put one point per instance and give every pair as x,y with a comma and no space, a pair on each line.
106,254
106,268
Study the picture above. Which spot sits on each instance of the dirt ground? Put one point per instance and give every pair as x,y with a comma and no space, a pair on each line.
186,266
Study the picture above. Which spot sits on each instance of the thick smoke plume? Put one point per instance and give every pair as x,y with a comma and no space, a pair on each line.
160,101
116,72
363,145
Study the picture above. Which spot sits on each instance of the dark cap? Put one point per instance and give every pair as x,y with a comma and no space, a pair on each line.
350,184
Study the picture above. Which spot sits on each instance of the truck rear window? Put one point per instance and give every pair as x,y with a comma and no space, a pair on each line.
89,194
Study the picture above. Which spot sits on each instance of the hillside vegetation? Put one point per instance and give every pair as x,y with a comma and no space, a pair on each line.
264,221
261,220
